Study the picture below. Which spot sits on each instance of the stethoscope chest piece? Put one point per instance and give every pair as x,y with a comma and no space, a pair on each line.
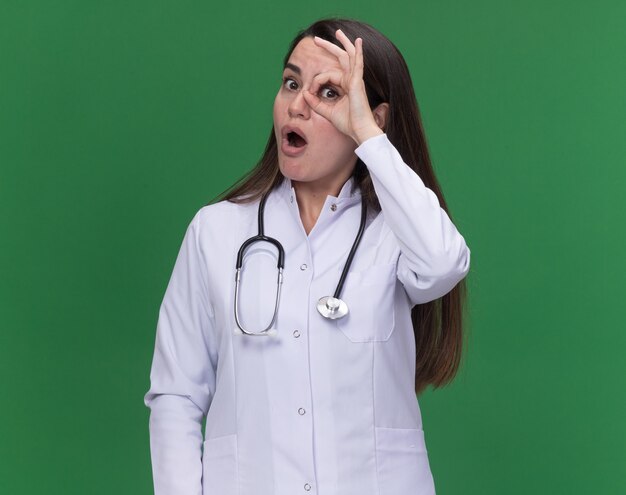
332,308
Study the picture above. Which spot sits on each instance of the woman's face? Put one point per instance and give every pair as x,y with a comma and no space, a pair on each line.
310,149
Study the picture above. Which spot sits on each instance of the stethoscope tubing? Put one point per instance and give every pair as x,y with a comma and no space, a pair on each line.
353,249
325,303
260,237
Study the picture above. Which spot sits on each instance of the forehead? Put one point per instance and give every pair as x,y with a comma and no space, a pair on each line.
312,59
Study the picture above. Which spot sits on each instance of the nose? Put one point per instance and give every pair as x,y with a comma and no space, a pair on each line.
298,107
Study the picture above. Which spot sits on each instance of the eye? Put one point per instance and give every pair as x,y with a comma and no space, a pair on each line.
289,83
329,93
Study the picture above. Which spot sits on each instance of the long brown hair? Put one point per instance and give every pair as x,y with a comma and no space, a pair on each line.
438,324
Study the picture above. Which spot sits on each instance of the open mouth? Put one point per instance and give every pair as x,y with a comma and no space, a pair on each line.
295,140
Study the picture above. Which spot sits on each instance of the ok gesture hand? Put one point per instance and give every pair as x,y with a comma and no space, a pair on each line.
350,114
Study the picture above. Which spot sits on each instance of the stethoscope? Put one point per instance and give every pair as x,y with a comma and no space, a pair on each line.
331,307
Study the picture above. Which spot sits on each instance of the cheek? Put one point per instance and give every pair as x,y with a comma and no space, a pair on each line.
338,141
275,110
328,132
280,106
276,121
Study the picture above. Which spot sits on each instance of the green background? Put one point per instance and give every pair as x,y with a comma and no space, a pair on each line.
119,120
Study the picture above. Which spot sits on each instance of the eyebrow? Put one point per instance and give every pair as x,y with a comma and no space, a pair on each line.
293,67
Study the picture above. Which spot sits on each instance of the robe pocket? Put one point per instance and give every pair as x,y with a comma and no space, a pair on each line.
219,466
369,295
402,462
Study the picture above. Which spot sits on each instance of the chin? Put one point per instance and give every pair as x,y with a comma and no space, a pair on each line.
294,172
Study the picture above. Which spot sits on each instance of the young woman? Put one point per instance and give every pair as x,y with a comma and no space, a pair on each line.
307,362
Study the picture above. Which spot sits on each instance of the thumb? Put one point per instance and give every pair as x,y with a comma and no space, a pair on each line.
316,104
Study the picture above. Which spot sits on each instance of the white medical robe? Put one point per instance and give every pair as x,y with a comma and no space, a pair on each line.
325,407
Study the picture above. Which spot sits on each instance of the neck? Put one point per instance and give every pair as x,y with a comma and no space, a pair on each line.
311,198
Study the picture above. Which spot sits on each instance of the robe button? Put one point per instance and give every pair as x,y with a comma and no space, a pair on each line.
333,207
303,266
301,411
307,487
296,333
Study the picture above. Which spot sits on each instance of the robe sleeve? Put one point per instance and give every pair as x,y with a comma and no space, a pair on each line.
433,254
182,378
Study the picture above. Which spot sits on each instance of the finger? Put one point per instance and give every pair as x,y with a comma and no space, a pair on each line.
358,59
316,103
331,47
349,47
335,50
333,78
347,44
